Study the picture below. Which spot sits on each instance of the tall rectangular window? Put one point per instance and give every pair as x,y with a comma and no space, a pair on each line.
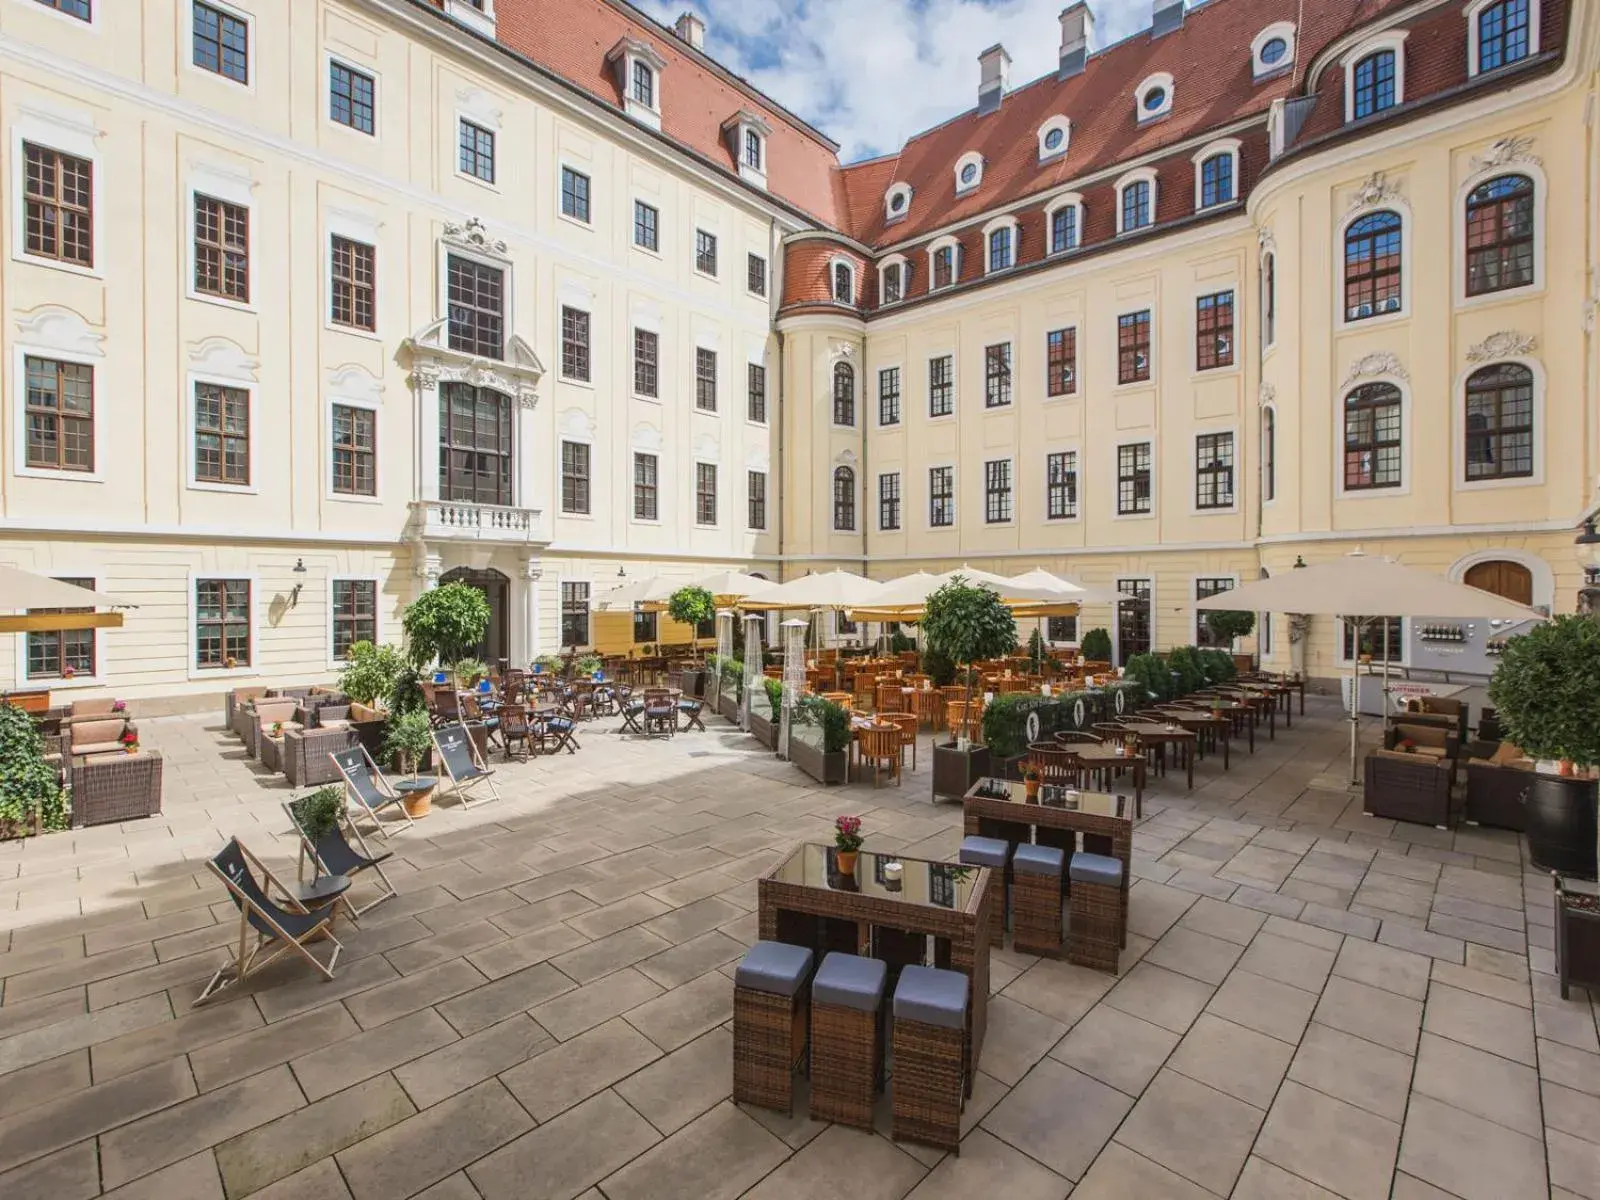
889,500
1061,486
705,379
997,491
221,43
941,386
1064,229
893,286
756,274
476,447
1204,589
645,625
575,478
889,396
1133,479
1136,212
574,614
58,205
355,284
574,195
941,496
1133,347
646,494
752,149
1504,34
1213,331
351,98
1061,362
355,614
705,252
758,393
646,226
756,487
1213,470
997,375
1374,84
644,84
59,414
1269,300
61,653
574,343
221,623
476,295
705,493
944,266
476,152
221,249
355,451
221,434
1000,248
1216,180
646,363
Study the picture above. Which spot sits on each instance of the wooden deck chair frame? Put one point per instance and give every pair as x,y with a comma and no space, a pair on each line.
247,959
458,737
379,785
308,853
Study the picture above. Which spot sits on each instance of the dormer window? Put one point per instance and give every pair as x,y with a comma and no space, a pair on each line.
1153,97
1065,217
894,276
844,282
1375,76
1216,174
944,262
1501,32
1054,137
1272,51
1000,236
638,67
477,15
897,202
969,172
1136,200
753,150
746,133
644,84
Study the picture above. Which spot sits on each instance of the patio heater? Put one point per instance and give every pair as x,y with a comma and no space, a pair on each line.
724,647
794,677
752,665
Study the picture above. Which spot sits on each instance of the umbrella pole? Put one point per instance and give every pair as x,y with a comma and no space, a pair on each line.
1355,700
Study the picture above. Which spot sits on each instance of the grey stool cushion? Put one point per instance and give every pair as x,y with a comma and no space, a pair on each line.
1041,860
932,996
983,852
774,967
850,981
1096,868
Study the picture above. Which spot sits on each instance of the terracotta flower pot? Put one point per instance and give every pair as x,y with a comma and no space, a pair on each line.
847,861
1031,788
419,804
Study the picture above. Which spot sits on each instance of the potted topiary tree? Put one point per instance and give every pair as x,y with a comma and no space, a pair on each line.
692,606
1228,626
370,672
1096,646
965,624
1546,694
444,624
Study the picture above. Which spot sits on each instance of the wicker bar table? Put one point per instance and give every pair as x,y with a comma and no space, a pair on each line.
1107,814
805,901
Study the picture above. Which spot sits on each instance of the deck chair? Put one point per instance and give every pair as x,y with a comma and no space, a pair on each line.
365,783
461,764
286,928
332,854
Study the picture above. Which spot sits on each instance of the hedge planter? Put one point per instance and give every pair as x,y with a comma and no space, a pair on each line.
956,770
1561,824
763,730
821,766
728,707
1577,935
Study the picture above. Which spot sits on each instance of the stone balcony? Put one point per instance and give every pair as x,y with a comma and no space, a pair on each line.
466,521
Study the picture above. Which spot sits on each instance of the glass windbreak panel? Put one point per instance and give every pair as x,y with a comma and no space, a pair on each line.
931,884
808,734
731,685
1095,804
761,703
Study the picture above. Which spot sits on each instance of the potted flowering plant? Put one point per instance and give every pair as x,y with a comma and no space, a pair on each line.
130,742
68,672
119,706
1407,746
847,840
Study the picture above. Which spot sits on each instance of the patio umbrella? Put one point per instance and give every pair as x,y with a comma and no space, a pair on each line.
1363,588
730,587
1068,589
640,591
827,589
904,599
21,590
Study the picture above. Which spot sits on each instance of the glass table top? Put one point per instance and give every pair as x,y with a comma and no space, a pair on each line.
1095,804
932,884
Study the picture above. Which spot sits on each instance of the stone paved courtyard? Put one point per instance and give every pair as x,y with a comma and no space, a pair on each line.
1312,1003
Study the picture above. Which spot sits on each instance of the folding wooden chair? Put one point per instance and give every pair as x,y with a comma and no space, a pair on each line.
366,784
660,714
460,763
690,710
515,727
559,730
285,928
632,712
332,854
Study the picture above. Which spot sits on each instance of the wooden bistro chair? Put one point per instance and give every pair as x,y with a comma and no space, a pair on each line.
908,724
365,784
460,763
1057,765
890,696
285,928
928,705
880,745
514,727
660,713
333,854
965,718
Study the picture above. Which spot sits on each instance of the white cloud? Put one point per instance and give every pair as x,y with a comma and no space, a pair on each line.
871,73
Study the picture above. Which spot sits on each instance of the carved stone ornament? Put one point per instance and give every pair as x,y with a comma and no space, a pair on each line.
1268,394
1370,366
1506,152
433,362
1376,190
844,350
1505,344
1265,240
473,236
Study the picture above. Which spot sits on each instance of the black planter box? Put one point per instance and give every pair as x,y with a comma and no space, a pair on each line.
1577,942
1561,824
955,771
823,767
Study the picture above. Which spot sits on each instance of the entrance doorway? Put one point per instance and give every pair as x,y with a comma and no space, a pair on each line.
1133,619
495,649
1509,579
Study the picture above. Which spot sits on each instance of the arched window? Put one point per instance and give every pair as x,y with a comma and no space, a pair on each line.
1373,84
1372,266
1504,33
844,499
1500,235
1499,422
1269,454
1269,299
477,444
1372,446
844,394
1064,229
844,283
1000,251
1136,207
1216,180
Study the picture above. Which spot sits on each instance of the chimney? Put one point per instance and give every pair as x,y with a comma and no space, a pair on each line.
1077,39
691,29
1166,17
995,72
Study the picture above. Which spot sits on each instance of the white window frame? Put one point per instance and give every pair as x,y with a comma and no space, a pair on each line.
1148,305
940,243
346,400
488,119
1458,426
878,500
834,263
1072,200
232,186
654,451
193,606
56,683
1195,610
584,303
1139,175
652,202
970,158
989,230
355,227
648,322
1228,146
1260,70
1238,479
766,274
336,664
1394,39
894,260
878,369
1074,448
983,490
1535,34
1269,497
471,16
1477,179
890,216
81,355
349,63
564,435
855,488
927,497
1064,124
251,59
92,25
1161,79
1267,297
65,131
252,388
1212,288
577,167
445,251
694,494
1341,396
1155,485
694,253
1341,320
766,497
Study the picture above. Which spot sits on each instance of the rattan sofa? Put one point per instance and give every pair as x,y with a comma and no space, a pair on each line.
1408,787
1496,785
107,788
306,754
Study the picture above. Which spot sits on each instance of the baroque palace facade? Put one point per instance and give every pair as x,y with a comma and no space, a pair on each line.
311,304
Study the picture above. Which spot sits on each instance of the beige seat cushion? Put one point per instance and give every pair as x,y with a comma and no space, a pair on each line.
84,751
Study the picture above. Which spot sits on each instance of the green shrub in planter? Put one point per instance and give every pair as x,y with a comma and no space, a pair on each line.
1096,646
774,689
834,721
1185,661
445,622
408,736
370,672
692,606
318,812
1006,720
1546,690
1151,674
969,624
1218,665
29,786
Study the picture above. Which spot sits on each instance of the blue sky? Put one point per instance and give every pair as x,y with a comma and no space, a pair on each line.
869,73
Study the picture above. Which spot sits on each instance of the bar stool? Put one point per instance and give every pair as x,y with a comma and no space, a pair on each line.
930,1038
991,852
846,1038
1094,936
1036,924
770,997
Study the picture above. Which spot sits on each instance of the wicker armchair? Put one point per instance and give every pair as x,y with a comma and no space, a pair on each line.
107,788
1496,785
1440,706
307,754
1408,787
234,704
101,735
262,715
82,710
1428,738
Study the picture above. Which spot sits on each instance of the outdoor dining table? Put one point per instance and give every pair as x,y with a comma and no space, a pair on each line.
1195,720
1260,701
1098,756
1154,734
1241,714
805,900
